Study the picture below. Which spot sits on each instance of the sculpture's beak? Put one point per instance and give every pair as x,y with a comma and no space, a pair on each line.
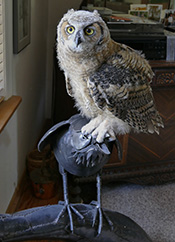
103,147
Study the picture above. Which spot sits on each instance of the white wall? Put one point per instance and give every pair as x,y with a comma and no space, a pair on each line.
29,75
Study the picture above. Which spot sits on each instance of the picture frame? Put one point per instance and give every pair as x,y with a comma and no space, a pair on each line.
138,7
139,13
21,24
169,18
154,12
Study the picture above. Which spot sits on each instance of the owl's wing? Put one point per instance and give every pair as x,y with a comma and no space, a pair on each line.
122,86
68,85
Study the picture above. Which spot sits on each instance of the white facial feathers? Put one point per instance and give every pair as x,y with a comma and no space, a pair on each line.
80,20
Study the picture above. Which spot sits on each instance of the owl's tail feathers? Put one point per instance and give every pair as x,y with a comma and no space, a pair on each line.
154,124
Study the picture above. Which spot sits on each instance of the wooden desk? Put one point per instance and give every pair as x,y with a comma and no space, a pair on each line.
150,159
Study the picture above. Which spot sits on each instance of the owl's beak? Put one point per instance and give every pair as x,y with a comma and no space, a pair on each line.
78,38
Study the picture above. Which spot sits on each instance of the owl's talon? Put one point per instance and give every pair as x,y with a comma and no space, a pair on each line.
84,136
94,137
107,135
84,132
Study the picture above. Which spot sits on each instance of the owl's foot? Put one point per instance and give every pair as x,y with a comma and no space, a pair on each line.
69,208
105,127
99,214
99,129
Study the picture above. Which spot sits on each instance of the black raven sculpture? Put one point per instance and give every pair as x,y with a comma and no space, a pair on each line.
79,155
82,156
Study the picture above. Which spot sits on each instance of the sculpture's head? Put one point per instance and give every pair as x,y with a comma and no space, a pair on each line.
78,154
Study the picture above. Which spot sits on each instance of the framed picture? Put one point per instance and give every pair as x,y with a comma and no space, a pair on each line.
154,12
136,7
21,24
139,13
169,17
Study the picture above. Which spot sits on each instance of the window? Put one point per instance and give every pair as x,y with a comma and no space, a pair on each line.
2,79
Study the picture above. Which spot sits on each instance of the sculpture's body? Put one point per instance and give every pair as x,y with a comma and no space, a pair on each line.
80,155
109,81
79,222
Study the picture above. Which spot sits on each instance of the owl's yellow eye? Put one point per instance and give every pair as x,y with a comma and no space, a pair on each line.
70,29
89,31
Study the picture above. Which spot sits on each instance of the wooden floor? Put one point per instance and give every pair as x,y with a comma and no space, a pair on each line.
25,199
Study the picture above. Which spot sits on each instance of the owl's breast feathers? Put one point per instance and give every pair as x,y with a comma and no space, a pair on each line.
115,79
121,85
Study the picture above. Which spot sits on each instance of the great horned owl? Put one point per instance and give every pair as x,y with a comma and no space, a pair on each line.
108,80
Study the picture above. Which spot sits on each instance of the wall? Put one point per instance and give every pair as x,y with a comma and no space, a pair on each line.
29,75
56,9
172,4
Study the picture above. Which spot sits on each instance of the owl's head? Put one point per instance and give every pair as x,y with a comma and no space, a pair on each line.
80,31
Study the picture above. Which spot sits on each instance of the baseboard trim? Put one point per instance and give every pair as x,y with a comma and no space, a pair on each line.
15,200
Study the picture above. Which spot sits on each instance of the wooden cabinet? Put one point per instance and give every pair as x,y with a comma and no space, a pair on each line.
150,159
147,159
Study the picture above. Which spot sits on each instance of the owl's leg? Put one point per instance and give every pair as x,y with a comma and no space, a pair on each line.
66,206
98,209
105,126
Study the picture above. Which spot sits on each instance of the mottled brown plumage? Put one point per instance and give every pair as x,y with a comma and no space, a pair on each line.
110,82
